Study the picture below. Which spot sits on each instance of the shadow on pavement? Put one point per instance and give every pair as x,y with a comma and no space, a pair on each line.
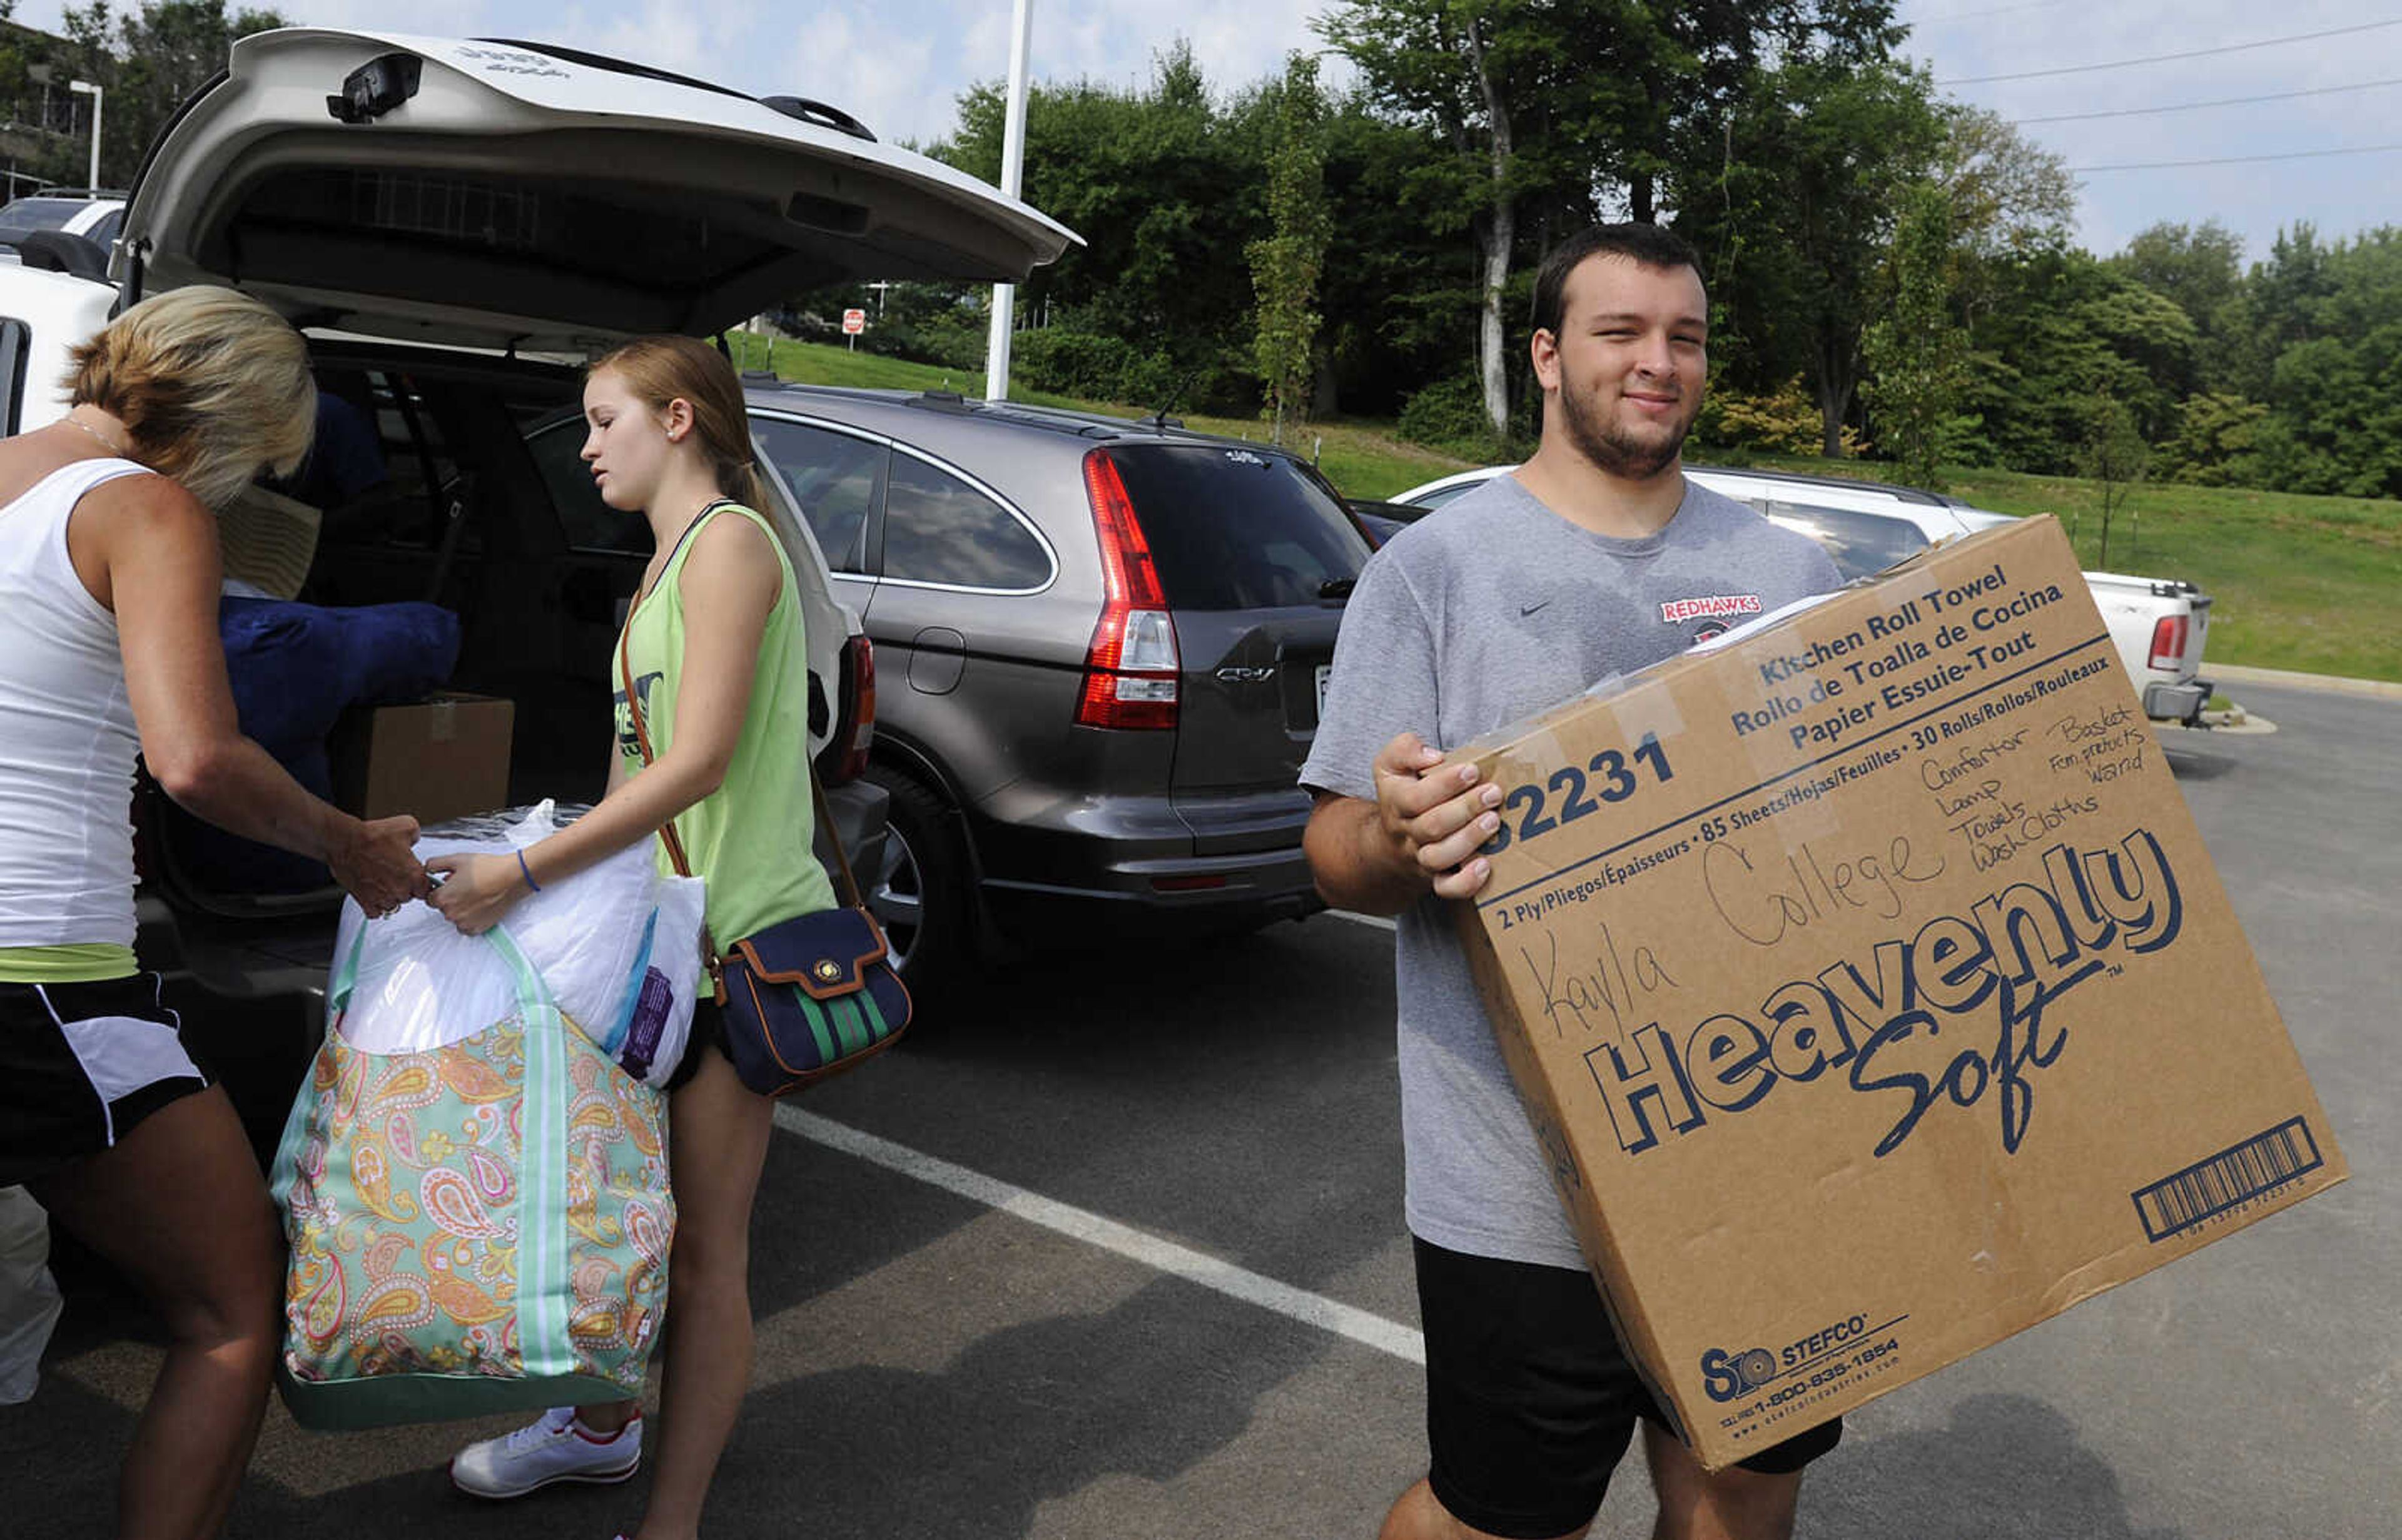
1026,1414
2198,765
2008,1467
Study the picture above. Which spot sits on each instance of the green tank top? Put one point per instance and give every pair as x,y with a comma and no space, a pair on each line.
750,839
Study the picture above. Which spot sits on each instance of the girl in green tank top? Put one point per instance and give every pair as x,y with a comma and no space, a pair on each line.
715,645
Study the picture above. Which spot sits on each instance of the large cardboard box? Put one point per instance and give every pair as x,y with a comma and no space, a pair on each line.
440,758
1867,983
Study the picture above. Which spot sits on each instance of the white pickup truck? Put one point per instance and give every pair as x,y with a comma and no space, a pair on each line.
2159,624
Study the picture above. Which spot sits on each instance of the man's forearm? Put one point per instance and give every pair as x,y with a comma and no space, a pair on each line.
1357,865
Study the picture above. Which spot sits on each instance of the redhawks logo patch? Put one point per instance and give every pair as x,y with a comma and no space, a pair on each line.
1716,606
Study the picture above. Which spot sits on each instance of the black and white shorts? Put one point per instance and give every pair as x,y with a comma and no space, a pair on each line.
80,1063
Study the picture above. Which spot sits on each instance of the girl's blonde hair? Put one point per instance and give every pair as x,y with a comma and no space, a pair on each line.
213,387
659,369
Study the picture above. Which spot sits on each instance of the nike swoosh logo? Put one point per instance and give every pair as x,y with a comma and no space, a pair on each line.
1526,610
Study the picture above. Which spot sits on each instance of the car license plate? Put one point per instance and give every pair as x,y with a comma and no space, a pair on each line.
1325,674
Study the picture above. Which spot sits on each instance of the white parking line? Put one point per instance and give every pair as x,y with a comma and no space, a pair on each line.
1360,1325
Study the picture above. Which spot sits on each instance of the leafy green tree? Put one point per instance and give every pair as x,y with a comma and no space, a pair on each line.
2009,197
148,61
1397,295
2114,454
1799,218
1550,113
1916,352
1782,421
2336,394
1658,79
1464,71
2216,442
2200,268
2062,328
1165,194
2287,291
1285,265
33,136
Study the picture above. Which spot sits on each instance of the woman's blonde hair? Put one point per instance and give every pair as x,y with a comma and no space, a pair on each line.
660,369
213,387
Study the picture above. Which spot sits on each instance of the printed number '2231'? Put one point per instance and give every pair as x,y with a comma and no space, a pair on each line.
1609,776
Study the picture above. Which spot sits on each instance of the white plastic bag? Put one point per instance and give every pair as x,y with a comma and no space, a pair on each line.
29,1298
617,944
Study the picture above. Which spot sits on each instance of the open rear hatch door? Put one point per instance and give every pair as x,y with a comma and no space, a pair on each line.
516,195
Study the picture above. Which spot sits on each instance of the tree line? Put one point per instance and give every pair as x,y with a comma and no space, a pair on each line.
1891,271
146,59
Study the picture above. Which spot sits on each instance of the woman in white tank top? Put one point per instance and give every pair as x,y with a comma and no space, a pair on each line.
109,578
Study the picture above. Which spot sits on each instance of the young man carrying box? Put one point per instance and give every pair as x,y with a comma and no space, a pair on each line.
1594,559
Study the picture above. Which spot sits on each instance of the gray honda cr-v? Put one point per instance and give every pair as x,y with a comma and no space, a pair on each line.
1100,647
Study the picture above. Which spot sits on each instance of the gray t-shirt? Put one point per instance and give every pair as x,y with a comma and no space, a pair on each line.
1484,612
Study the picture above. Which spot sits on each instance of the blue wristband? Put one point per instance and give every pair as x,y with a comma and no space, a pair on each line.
531,885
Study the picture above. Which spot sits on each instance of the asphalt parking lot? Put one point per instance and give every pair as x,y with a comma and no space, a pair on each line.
1117,1253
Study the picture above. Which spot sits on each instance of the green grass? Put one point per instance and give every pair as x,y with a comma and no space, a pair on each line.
2311,584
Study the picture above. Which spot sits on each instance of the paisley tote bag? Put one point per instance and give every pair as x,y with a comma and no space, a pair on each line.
480,1226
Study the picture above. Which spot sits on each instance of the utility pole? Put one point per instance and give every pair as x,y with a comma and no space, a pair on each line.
1013,163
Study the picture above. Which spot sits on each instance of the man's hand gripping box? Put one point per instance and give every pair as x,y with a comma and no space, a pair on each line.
1866,983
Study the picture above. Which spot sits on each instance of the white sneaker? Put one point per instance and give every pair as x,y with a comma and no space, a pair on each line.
557,1448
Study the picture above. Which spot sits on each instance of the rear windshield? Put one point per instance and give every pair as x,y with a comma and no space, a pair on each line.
1233,529
1863,544
28,215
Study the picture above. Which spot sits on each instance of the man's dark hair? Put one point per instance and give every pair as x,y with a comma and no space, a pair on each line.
1648,244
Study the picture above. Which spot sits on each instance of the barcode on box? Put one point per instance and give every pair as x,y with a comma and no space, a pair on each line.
2227,1180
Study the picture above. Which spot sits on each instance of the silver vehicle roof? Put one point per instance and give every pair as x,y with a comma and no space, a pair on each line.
522,196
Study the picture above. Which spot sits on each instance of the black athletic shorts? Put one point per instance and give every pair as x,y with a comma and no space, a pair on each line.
1531,1401
708,1036
80,1063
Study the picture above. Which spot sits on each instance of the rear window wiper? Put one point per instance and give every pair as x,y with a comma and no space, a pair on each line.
1337,587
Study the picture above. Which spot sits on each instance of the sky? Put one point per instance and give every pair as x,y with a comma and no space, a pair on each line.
899,65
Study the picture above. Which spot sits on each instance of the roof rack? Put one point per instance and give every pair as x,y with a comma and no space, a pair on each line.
938,400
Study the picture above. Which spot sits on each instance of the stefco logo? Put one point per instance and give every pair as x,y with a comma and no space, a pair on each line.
1730,1376
1828,1356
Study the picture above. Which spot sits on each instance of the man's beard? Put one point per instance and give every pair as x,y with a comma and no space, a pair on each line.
1614,449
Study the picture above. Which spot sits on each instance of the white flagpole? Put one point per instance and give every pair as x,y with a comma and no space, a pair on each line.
1012,165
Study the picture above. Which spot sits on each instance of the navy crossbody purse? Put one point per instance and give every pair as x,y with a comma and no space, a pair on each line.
808,996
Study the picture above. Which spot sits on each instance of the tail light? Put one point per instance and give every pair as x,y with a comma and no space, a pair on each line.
1131,668
2167,642
858,709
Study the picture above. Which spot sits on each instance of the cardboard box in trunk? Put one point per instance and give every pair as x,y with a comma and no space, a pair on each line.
1866,983
440,758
